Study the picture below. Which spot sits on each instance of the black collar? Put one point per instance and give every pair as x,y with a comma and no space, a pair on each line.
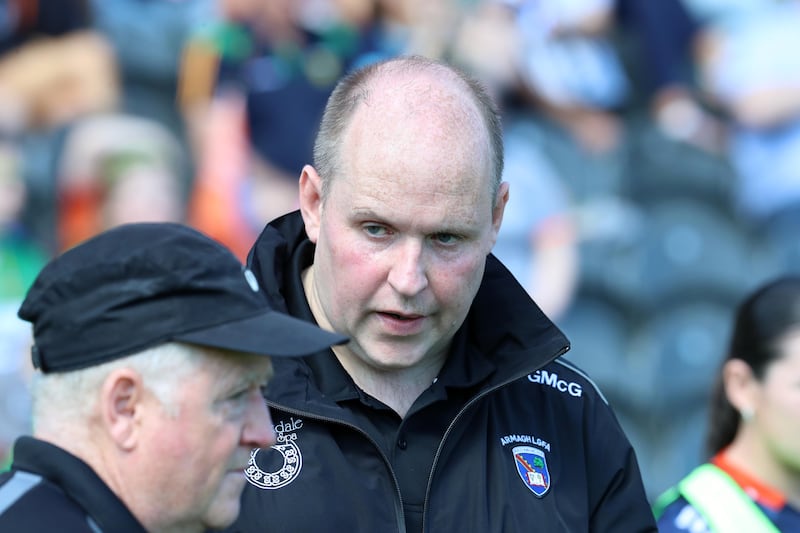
504,329
465,367
78,481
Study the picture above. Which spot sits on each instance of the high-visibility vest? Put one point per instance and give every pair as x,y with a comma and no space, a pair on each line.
723,504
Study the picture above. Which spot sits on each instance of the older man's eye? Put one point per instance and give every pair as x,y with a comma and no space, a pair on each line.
238,395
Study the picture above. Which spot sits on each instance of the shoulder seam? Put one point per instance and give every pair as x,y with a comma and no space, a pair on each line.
583,374
16,487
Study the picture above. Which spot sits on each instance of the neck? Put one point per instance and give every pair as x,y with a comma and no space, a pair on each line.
749,455
398,388
91,448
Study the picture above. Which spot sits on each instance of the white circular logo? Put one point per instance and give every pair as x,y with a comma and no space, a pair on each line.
288,472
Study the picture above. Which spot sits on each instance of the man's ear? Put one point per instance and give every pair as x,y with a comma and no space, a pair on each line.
121,405
311,201
498,209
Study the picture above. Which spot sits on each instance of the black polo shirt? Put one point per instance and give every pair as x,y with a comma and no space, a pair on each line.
49,489
409,443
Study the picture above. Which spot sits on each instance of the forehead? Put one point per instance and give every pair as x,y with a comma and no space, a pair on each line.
790,348
787,366
230,368
422,109
420,140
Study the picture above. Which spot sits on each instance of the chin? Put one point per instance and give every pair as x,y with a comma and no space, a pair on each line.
224,510
222,515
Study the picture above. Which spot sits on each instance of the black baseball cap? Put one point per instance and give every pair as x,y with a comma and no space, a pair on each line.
139,285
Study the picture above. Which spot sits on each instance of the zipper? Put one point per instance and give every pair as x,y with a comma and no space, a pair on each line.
463,410
400,514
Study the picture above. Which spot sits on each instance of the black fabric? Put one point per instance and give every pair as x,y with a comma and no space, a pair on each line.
457,470
69,495
140,285
408,443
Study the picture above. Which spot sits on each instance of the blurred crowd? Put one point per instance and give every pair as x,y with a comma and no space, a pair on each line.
652,147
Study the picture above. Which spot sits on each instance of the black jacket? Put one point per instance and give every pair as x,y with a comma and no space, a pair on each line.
534,447
48,489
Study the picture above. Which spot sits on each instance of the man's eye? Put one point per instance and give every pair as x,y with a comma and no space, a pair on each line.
239,394
375,231
446,238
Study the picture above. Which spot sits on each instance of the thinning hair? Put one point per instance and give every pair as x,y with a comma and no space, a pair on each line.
60,399
354,89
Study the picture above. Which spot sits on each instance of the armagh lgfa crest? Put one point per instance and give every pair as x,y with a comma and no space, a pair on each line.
532,468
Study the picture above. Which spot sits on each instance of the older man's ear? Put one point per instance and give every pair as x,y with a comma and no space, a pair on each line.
122,407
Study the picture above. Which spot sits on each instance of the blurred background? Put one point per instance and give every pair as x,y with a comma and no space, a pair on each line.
653,151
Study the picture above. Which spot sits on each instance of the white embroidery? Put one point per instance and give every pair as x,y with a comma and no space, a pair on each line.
292,459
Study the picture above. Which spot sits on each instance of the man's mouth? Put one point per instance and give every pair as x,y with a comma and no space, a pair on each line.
398,316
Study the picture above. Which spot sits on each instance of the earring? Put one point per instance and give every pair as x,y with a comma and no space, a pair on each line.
746,414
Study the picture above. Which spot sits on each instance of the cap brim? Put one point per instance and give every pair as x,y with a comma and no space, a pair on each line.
272,333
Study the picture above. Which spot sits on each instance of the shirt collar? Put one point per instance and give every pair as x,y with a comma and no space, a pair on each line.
465,365
78,481
758,490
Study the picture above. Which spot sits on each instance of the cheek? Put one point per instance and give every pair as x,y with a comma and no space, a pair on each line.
207,442
353,272
458,281
214,458
782,414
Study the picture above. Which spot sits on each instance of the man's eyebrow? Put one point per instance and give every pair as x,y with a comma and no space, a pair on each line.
363,212
249,377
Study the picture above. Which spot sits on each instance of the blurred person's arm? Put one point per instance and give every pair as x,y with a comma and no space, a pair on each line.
554,265
50,81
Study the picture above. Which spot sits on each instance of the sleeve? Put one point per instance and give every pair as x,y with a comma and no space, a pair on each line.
620,504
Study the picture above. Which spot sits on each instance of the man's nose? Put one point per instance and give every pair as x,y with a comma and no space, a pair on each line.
407,273
258,431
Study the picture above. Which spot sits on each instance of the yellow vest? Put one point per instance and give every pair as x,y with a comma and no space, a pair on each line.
723,504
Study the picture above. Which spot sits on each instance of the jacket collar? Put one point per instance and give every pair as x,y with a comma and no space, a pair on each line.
503,325
78,481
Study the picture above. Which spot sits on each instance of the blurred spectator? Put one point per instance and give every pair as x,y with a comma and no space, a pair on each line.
258,81
22,20
661,59
21,258
116,169
538,240
429,28
749,67
53,69
48,81
571,68
751,481
148,38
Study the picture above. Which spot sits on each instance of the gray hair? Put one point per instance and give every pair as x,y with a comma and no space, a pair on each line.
354,89
63,398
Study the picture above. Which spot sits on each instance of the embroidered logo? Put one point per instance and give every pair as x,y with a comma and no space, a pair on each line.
278,466
532,468
544,377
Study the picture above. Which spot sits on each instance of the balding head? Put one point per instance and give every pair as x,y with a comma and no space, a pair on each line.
410,100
